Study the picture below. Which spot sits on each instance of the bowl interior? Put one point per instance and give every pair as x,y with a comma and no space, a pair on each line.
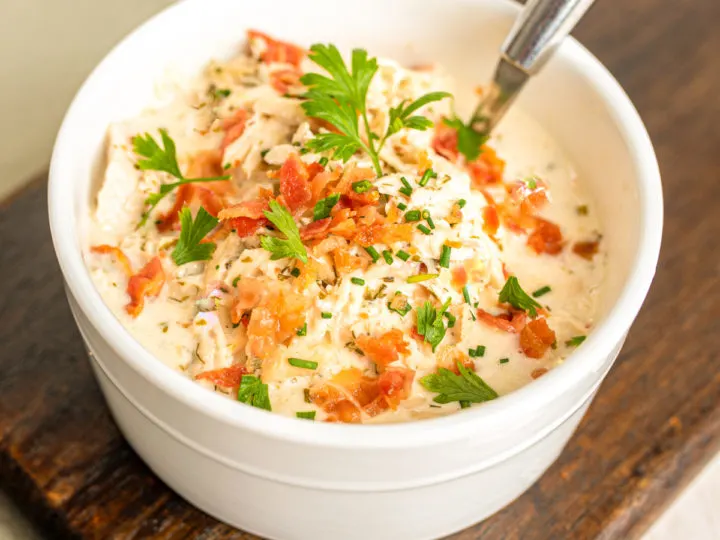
574,98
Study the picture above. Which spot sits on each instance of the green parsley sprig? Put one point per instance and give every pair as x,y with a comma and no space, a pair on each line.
290,246
254,392
163,159
430,323
188,247
341,100
465,387
513,294
469,141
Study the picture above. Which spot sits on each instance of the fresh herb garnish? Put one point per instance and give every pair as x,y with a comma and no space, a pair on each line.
430,323
164,160
513,294
466,386
373,253
222,92
302,331
362,186
324,206
406,189
425,178
461,203
451,319
541,291
402,206
189,248
300,363
412,215
445,256
323,161
423,229
326,315
399,304
387,255
341,98
357,281
503,360
469,141
417,278
575,341
403,255
477,352
291,245
254,392
307,415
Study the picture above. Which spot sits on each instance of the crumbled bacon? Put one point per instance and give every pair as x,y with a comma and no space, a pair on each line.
491,220
345,262
455,216
246,226
448,357
229,377
116,252
445,141
539,372
545,238
277,51
383,349
186,195
234,128
488,168
394,386
254,209
459,276
316,229
274,321
294,183
536,338
586,250
511,322
250,292
528,200
282,80
147,282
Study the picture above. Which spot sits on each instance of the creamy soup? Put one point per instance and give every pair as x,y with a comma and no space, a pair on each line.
303,267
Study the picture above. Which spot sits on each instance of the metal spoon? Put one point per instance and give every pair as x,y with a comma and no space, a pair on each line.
538,31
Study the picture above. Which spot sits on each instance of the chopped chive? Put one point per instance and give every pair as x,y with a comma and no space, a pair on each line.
306,395
421,277
427,175
404,255
323,161
324,206
461,203
235,281
399,304
407,188
228,165
357,281
412,215
423,229
466,295
451,319
387,255
402,206
582,210
465,404
542,290
362,186
445,256
471,353
430,222
295,272
307,415
304,151
531,182
575,341
373,253
425,214
222,92
305,364
302,331
326,315
504,360
480,351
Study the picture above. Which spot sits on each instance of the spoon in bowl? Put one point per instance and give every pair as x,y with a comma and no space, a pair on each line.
538,31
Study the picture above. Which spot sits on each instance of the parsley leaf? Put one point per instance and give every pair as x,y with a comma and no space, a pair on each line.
189,248
430,323
467,386
291,245
163,159
342,97
513,294
469,141
254,392
575,341
324,206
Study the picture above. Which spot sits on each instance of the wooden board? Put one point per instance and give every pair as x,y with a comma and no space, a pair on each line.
654,424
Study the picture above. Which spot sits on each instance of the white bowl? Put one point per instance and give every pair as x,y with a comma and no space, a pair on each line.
285,478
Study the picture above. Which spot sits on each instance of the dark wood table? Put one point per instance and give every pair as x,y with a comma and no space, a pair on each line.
654,424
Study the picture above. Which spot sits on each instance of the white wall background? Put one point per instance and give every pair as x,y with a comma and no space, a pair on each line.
47,48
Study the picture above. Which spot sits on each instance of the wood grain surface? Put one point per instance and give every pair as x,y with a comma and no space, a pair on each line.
653,425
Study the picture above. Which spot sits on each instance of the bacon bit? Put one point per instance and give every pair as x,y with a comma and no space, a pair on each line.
394,386
294,183
274,321
445,141
147,282
384,349
278,51
528,200
511,322
229,377
370,197
245,226
186,195
586,250
116,252
488,168
346,263
455,216
253,209
345,395
351,175
321,180
234,128
459,277
539,372
449,356
368,215
546,238
283,80
536,338
491,220
316,229
250,292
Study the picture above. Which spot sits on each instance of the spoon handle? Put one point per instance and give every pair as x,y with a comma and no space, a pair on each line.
539,29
